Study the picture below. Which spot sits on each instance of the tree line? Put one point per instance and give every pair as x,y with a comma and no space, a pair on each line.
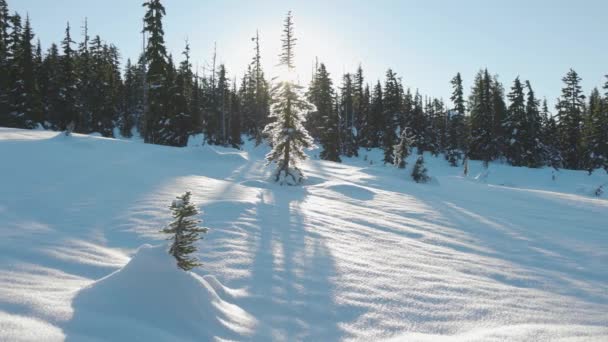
83,85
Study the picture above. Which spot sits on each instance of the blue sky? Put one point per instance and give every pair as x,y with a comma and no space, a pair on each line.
425,42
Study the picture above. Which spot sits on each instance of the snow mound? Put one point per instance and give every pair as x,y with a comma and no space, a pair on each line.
352,191
150,298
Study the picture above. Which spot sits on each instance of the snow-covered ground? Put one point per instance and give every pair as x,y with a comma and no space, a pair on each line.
360,252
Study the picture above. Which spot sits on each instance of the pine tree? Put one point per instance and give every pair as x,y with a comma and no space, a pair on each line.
481,145
347,117
157,65
595,135
419,173
402,150
392,101
287,135
235,118
570,108
67,106
375,123
4,62
535,155
515,125
456,135
361,106
321,95
261,96
499,112
184,231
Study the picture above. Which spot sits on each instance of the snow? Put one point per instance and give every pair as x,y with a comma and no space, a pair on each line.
357,252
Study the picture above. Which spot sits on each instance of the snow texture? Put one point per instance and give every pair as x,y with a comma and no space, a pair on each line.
359,251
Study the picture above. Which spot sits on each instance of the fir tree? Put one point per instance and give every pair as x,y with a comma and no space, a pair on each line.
67,106
322,97
595,135
184,231
4,62
392,101
515,125
533,143
347,114
419,173
375,123
402,150
498,114
480,106
456,135
570,114
157,65
287,135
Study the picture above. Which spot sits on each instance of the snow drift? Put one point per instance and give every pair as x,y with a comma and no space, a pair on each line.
152,299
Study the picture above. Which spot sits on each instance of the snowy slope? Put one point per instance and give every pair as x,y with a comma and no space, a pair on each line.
359,252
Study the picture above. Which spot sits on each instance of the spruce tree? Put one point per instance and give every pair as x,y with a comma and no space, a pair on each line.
595,135
287,135
456,135
498,114
392,101
402,149
535,155
515,125
375,122
480,106
322,97
570,108
157,65
419,173
67,106
184,232
4,62
360,105
347,117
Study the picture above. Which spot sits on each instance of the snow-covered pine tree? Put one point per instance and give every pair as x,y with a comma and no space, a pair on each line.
184,231
570,109
419,173
286,133
403,148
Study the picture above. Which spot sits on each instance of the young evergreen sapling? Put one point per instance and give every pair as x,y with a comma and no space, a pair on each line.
184,231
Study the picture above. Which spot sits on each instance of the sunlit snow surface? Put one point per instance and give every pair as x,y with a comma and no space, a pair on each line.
359,252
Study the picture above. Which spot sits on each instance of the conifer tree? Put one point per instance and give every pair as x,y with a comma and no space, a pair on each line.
515,125
480,106
184,232
261,96
321,95
570,108
287,135
392,102
595,135
498,114
419,173
67,106
535,154
456,135
157,65
360,105
402,149
4,62
347,114
375,123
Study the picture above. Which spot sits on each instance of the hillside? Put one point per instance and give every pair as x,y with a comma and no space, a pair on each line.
359,252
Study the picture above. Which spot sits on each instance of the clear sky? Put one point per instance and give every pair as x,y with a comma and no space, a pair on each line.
425,42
